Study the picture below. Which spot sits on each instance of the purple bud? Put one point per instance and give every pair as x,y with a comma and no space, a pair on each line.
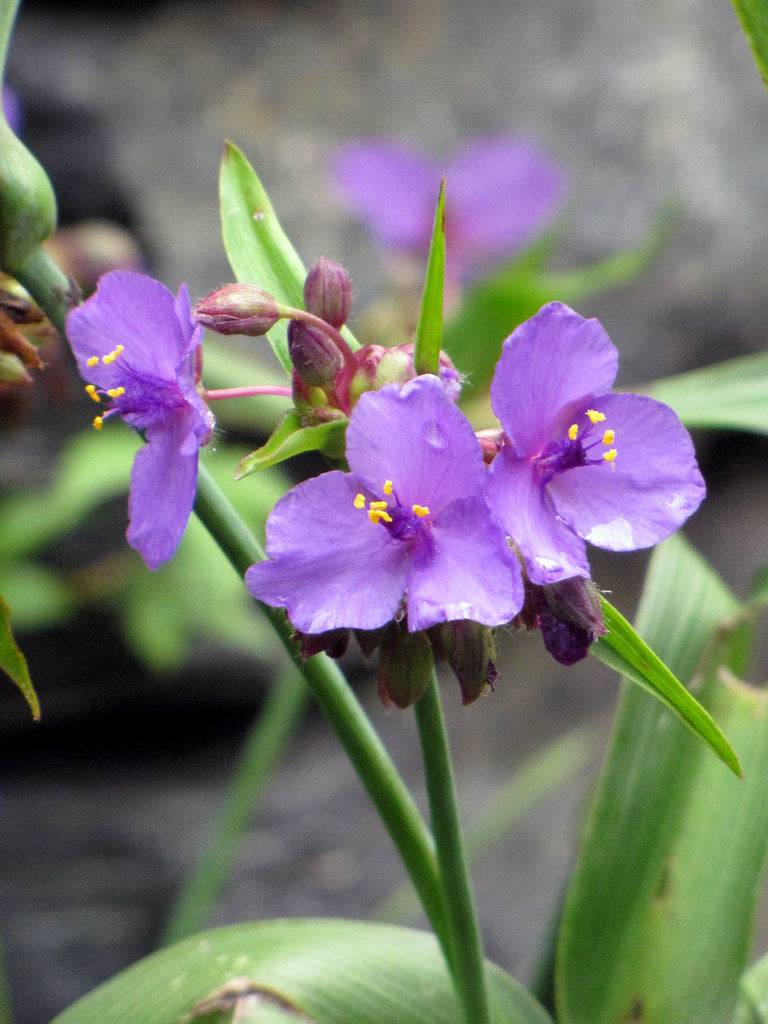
570,618
565,642
328,292
404,667
333,643
238,309
314,355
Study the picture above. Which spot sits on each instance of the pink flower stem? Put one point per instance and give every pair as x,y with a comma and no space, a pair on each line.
254,392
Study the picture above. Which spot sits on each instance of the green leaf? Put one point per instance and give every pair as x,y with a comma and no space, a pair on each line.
732,395
258,249
753,997
291,439
492,309
622,649
336,972
753,15
13,662
429,331
607,966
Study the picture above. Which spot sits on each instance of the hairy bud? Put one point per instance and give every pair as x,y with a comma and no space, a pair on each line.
328,292
570,619
238,309
315,357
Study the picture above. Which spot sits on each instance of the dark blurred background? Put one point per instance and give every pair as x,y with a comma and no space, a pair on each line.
105,804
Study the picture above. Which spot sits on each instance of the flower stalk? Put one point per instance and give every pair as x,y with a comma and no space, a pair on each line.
259,391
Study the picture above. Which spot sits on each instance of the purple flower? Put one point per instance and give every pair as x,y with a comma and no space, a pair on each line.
578,462
409,520
136,344
501,192
12,109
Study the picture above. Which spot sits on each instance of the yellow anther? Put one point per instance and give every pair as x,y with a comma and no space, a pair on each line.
610,456
90,390
573,431
595,416
119,349
98,422
609,437
93,361
359,501
381,505
420,510
110,357
388,487
115,392
378,515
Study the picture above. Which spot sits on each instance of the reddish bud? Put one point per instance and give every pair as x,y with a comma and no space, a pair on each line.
328,292
470,650
238,309
315,356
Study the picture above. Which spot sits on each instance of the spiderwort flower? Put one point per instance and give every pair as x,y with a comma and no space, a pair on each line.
502,191
577,462
408,521
136,346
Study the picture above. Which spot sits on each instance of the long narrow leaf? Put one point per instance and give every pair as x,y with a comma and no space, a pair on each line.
13,662
429,332
753,15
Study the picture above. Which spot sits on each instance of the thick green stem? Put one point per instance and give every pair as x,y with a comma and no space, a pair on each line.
46,284
8,10
464,932
262,750
350,723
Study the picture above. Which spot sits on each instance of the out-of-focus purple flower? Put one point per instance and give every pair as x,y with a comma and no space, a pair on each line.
578,462
136,344
501,192
12,109
408,521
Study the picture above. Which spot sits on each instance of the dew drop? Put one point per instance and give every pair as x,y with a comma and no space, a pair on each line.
434,434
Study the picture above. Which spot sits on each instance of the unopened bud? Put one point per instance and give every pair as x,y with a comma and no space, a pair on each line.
570,619
328,292
238,309
470,650
27,202
378,366
333,643
405,666
315,357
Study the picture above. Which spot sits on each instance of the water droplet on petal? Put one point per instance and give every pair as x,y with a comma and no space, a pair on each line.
434,434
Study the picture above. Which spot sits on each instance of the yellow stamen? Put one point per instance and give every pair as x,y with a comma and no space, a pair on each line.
609,437
388,487
93,361
610,456
119,349
359,501
595,416
420,510
110,357
573,431
115,392
381,505
98,422
378,515
90,390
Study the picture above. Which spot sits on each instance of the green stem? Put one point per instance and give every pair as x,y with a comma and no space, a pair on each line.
465,941
262,750
8,10
46,284
357,736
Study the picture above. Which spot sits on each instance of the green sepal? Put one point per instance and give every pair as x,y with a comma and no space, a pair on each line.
13,662
291,439
429,330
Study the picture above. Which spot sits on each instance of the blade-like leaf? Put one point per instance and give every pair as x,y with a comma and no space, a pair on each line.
335,972
622,649
13,662
257,248
732,395
291,439
753,15
605,953
429,331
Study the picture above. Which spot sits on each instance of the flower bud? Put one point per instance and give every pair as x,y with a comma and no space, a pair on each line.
570,619
316,358
333,643
238,309
378,366
27,202
404,667
470,650
328,292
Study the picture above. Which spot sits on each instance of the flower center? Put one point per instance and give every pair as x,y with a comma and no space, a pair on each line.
140,398
574,450
401,521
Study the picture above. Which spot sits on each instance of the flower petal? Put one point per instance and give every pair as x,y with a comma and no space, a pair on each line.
464,570
134,311
415,436
501,191
330,566
647,492
163,482
393,188
551,363
550,550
